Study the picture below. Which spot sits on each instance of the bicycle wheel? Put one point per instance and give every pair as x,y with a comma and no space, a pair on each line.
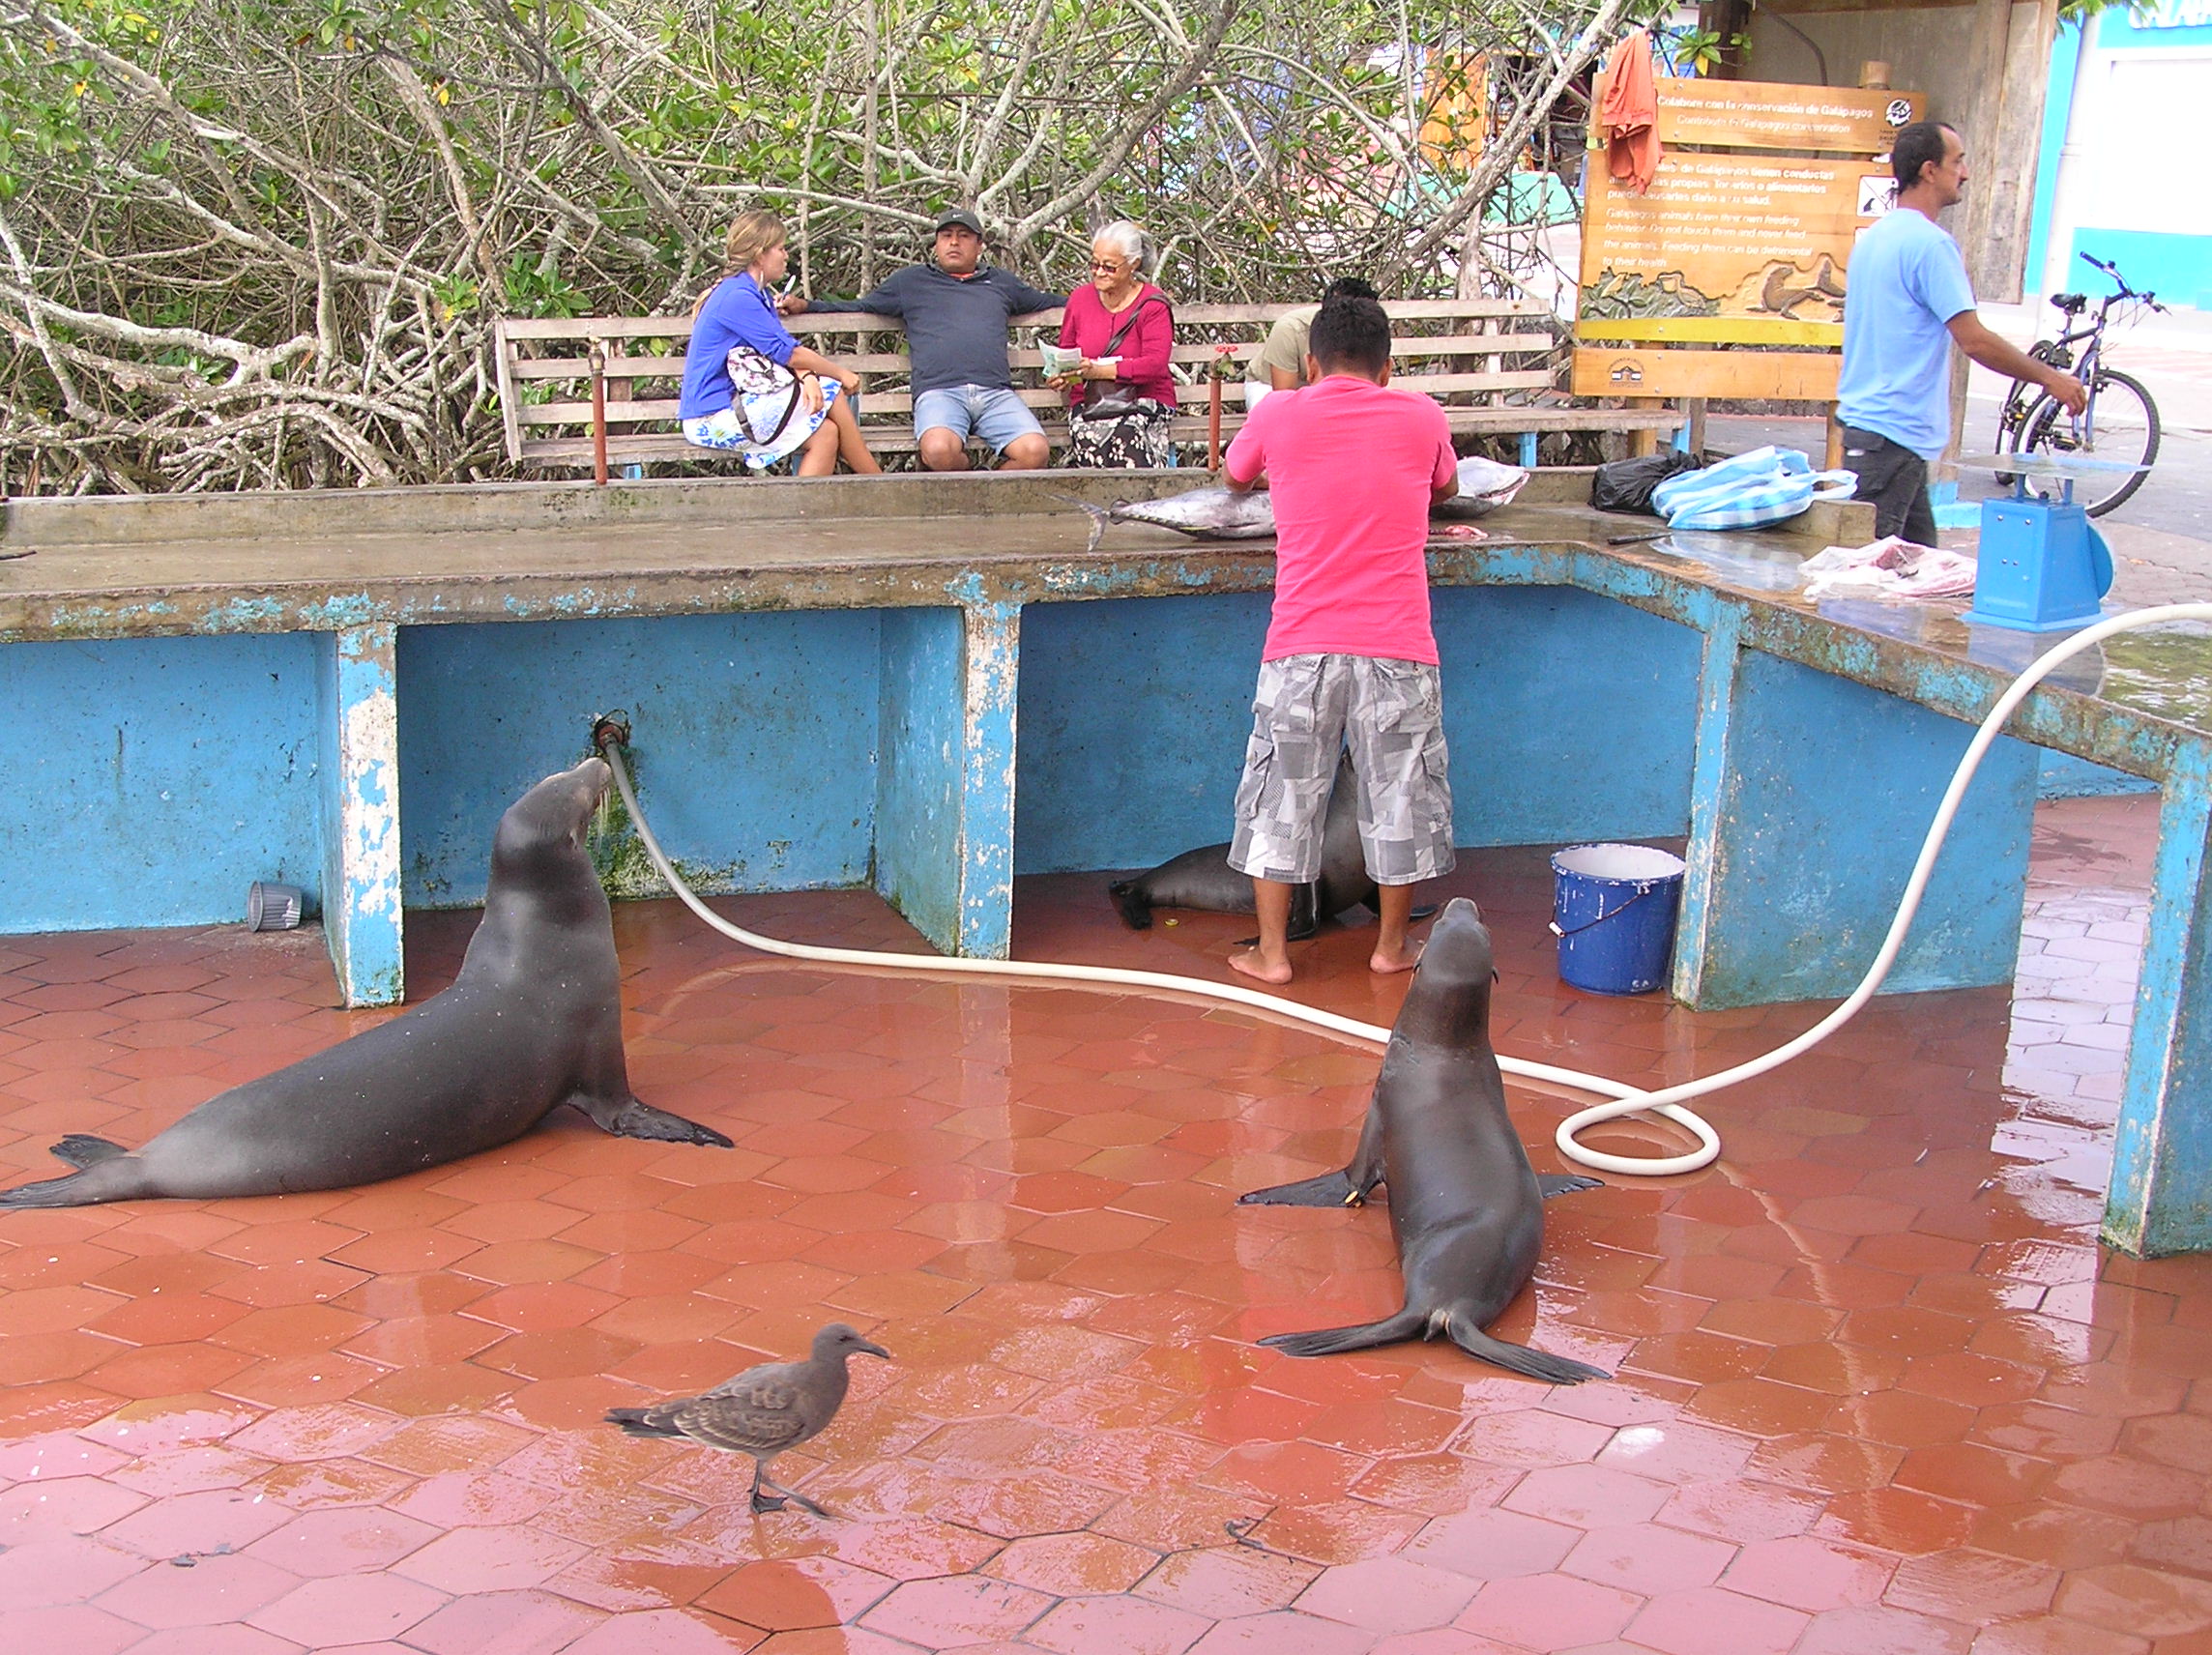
2124,426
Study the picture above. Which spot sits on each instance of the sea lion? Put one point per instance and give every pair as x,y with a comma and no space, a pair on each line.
1466,1208
1203,878
534,1020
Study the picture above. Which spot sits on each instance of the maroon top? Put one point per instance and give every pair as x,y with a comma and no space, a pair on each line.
1144,351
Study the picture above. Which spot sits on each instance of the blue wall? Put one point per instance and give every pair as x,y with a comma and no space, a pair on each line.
755,740
918,797
1569,716
162,777
2178,268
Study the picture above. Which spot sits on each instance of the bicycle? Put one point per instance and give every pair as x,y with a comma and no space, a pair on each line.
2120,422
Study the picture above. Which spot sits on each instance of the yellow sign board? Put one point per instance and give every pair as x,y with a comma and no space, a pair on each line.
1758,236
1626,370
1770,115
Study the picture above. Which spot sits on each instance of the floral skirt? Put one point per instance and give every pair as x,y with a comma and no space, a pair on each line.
725,431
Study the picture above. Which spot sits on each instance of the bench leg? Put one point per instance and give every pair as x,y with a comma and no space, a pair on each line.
359,716
1810,799
2160,1197
944,791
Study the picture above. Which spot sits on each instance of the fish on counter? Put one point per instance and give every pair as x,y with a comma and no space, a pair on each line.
1218,513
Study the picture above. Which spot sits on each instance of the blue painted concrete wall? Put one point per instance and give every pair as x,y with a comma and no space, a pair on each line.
162,777
1569,716
917,778
1132,719
1828,790
2062,775
2178,268
755,747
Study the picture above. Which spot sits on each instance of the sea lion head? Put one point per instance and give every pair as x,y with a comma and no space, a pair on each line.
542,833
1448,1003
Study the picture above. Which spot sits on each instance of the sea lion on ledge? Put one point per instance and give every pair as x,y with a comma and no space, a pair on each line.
534,1020
1466,1208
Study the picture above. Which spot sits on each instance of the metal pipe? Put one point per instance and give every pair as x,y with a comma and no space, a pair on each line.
600,412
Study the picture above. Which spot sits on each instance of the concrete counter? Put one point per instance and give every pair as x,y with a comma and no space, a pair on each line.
827,680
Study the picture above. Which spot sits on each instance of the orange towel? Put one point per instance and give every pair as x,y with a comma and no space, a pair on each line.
1628,112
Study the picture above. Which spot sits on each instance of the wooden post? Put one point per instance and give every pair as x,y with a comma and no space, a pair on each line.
1647,441
1834,460
1694,408
600,412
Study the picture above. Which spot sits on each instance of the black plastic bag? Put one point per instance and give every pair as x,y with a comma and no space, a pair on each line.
1626,485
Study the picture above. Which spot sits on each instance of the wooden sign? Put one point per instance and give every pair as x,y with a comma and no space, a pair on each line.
1627,371
1769,115
1749,245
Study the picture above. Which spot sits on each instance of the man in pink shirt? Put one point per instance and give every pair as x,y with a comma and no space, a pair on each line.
1354,467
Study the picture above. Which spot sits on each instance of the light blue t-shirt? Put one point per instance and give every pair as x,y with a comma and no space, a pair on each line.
1907,281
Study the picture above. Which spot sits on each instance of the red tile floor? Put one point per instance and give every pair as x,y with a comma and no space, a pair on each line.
1879,1390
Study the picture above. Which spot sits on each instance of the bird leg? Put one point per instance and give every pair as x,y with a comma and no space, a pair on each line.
762,1502
799,1500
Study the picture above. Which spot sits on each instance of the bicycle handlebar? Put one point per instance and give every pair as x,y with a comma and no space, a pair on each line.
2125,292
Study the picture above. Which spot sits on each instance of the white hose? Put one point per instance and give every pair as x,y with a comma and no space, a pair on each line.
1623,1100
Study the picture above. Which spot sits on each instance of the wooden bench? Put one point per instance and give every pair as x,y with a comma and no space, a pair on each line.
1494,364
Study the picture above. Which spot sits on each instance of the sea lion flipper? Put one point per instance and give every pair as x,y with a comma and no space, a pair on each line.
83,1149
630,1118
1550,1184
1329,1340
1518,1358
1330,1189
1132,903
121,1176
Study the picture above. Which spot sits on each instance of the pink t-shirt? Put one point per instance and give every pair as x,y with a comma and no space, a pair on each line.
1353,467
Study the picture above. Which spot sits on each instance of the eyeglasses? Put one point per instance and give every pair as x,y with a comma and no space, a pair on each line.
1107,267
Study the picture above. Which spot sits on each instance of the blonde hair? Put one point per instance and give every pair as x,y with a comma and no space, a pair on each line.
751,236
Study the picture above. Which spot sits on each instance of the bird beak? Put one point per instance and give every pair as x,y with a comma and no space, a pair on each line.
873,1349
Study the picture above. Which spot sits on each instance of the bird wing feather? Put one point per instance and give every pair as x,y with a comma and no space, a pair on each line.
763,1422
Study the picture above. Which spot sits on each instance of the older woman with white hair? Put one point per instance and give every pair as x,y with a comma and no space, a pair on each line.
1122,392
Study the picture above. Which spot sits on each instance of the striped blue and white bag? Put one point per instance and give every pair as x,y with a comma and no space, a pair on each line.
1748,491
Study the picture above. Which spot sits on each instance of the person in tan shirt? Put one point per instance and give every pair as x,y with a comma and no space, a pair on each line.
1282,361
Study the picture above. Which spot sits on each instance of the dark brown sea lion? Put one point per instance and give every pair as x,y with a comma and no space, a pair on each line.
532,1022
1466,1206
1202,879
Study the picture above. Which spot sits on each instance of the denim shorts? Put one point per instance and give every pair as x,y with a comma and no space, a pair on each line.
993,413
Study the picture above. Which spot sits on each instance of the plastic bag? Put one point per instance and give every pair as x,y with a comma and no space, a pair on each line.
1626,485
1749,491
1484,485
1892,566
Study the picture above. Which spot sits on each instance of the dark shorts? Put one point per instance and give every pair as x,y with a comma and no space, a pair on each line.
1895,480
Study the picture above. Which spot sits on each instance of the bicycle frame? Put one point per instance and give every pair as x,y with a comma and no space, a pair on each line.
2025,397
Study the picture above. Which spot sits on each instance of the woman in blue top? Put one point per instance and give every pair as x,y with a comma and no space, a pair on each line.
737,396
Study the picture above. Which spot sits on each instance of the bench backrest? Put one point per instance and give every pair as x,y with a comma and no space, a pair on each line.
1464,352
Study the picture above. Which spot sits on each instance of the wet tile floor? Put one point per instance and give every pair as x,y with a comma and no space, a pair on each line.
1879,1390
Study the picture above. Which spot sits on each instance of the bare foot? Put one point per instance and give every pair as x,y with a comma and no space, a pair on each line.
1251,962
1389,962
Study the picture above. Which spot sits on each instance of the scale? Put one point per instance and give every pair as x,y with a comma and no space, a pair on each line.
2042,566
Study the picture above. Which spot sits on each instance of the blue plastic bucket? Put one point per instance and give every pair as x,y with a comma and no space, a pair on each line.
1613,910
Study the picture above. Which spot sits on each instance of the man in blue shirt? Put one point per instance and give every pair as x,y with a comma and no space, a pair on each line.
955,312
1909,303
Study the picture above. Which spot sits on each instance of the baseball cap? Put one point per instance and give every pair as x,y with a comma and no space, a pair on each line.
957,218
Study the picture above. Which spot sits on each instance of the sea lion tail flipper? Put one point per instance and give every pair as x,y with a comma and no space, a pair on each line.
83,1149
1330,1189
118,1177
1518,1358
626,1117
1550,1184
1131,903
1329,1340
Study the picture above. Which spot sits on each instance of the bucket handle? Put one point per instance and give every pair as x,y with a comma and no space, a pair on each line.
1602,917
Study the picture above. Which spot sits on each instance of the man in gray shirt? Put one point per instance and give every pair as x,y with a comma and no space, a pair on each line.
955,314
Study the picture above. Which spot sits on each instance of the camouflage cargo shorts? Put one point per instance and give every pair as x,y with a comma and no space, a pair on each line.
1304,712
